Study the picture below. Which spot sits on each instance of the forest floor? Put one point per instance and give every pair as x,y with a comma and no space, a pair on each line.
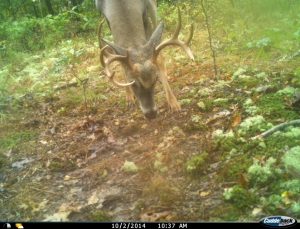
76,152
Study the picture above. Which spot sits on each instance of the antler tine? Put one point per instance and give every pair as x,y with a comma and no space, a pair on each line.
174,40
105,62
99,33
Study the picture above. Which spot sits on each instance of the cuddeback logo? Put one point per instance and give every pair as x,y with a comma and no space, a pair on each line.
278,221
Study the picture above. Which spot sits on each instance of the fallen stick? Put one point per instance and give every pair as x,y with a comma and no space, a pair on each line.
276,128
74,84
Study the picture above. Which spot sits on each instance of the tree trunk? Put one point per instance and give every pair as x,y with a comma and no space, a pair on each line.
11,9
49,6
35,10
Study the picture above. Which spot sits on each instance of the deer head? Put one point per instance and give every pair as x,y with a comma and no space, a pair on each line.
142,66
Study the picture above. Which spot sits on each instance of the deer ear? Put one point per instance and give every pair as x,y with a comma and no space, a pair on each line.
117,49
155,37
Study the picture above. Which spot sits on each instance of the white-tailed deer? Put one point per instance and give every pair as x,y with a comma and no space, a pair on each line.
137,46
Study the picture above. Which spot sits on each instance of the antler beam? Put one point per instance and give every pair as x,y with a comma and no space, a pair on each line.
106,61
174,40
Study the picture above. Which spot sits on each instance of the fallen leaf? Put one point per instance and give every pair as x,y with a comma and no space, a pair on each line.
287,202
43,142
154,217
93,155
204,193
286,194
236,120
256,211
67,177
92,136
242,181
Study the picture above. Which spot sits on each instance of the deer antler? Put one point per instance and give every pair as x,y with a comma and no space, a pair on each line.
106,61
99,34
174,40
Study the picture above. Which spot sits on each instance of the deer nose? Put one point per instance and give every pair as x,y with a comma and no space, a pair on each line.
151,114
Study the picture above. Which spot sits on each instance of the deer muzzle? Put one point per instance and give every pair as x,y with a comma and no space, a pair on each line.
148,106
151,114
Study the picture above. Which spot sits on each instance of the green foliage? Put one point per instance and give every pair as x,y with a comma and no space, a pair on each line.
221,102
291,161
3,161
201,105
16,138
261,175
292,194
253,124
249,107
295,208
32,34
262,43
272,202
196,163
98,216
239,197
219,134
290,91
272,106
289,137
293,186
129,166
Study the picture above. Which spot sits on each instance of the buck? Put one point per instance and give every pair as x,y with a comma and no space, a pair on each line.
137,46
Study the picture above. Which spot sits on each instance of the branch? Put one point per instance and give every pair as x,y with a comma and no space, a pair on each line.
74,84
209,31
276,128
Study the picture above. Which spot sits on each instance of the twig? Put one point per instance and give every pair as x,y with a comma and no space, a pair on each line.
209,31
276,128
74,84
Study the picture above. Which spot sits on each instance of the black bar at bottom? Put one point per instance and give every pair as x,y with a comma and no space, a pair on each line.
130,225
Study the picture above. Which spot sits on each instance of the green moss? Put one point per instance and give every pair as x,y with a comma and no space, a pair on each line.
253,124
61,166
295,208
196,163
205,92
184,102
261,175
291,161
15,138
273,107
221,102
249,107
226,213
292,186
239,197
129,166
98,216
56,166
209,104
280,140
3,161
194,126
287,91
245,80
201,106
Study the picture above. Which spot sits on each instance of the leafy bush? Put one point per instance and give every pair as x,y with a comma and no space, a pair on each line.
21,35
32,34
